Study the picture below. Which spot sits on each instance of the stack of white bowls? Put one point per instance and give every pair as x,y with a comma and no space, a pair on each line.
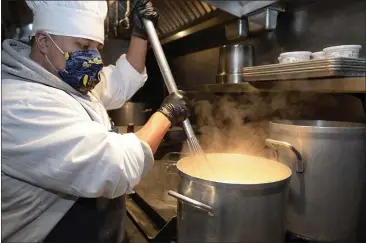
295,56
342,51
318,55
350,51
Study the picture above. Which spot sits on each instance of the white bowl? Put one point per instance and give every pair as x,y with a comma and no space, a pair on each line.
342,51
318,55
296,56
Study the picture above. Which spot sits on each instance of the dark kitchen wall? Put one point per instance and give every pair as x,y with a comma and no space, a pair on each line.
113,49
310,27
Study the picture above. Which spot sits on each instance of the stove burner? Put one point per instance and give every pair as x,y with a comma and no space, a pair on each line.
167,230
293,238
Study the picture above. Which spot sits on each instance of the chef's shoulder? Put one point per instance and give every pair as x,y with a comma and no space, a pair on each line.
18,95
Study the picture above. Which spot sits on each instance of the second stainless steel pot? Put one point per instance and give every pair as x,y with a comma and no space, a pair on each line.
233,211
328,161
232,60
131,112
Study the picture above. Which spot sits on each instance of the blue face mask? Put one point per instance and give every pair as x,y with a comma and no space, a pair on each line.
82,71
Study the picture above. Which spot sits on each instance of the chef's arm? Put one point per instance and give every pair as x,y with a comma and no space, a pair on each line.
136,54
68,152
174,109
154,130
118,83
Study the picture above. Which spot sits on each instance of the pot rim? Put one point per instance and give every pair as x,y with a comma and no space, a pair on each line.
231,184
235,45
319,126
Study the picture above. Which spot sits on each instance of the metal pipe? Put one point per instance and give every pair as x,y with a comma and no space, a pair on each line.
166,72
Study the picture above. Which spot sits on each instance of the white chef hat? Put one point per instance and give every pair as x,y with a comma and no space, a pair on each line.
84,19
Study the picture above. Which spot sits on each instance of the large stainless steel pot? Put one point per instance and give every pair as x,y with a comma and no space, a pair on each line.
131,112
362,226
328,161
231,198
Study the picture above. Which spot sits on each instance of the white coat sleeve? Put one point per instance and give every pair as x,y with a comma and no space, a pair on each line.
50,141
119,83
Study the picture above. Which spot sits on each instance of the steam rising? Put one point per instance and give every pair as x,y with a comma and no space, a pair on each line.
240,123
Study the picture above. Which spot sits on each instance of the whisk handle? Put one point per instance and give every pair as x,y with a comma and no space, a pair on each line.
160,56
165,71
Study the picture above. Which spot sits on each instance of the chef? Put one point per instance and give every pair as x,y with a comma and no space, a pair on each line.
64,173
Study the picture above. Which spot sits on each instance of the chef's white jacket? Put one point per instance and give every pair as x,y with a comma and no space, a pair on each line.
56,144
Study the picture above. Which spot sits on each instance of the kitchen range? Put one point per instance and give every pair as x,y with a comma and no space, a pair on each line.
244,198
311,185
276,149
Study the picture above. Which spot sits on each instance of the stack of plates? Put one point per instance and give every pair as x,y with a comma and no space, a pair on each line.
318,68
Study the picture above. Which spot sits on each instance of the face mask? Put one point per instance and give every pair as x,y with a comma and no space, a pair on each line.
82,71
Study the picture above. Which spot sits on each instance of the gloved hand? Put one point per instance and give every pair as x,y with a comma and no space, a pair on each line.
143,9
176,107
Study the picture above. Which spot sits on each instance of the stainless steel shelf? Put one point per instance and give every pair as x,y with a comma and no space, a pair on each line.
326,85
318,69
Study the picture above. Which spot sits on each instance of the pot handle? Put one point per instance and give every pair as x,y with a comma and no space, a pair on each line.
190,201
300,167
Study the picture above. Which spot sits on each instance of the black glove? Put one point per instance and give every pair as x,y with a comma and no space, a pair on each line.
143,9
176,107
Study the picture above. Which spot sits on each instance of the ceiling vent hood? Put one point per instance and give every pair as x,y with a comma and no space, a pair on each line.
175,16
240,8
179,18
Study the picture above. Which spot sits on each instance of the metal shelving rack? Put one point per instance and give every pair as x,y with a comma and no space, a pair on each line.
323,85
355,86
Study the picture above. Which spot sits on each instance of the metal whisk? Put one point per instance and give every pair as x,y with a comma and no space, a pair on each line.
170,83
191,139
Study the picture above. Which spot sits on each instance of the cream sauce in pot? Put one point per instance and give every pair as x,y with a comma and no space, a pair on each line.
234,169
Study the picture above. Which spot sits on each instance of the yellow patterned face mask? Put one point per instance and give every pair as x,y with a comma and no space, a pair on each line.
82,71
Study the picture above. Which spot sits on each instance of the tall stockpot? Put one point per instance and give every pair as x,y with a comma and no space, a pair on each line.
232,60
135,113
231,198
328,161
